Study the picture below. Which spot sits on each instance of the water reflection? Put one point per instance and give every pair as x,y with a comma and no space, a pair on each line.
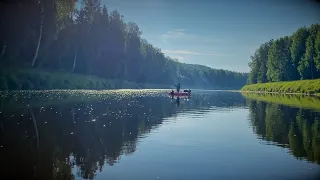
48,138
294,128
45,140
178,101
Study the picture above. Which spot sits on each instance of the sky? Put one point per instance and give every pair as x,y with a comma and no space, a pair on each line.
221,34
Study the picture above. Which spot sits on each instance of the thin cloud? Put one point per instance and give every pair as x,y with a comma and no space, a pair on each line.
182,34
187,52
174,33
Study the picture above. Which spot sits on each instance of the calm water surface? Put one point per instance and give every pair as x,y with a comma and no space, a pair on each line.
145,135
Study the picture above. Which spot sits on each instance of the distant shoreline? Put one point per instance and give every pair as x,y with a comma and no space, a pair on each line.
39,79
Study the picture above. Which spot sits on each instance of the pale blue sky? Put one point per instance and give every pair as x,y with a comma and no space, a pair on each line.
217,33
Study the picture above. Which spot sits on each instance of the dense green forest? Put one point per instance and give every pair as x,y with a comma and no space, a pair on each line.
83,37
289,58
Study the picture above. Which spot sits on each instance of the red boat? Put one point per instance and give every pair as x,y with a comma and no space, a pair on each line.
180,94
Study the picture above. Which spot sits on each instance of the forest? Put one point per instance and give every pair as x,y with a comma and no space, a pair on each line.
288,58
83,37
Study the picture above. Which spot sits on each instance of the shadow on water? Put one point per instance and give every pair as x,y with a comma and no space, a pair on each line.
45,140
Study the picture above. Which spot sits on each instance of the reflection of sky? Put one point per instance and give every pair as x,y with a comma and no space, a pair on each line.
219,144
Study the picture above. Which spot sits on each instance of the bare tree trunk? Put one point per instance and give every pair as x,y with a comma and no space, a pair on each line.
74,59
60,57
72,113
3,51
311,69
104,146
40,35
1,116
35,128
35,172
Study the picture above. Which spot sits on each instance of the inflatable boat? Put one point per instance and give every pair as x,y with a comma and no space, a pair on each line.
180,94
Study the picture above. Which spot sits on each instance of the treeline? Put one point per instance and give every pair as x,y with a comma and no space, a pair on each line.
288,58
84,37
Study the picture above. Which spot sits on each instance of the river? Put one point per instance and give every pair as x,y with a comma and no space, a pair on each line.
145,135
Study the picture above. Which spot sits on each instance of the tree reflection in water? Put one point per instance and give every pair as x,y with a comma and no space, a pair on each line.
294,128
91,135
87,134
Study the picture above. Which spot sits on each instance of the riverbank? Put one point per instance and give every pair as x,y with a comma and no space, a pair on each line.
298,101
307,87
37,79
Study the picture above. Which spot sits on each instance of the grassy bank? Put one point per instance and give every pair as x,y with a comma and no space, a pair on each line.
299,101
37,79
310,87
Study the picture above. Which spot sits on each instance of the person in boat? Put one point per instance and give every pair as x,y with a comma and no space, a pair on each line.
187,90
178,87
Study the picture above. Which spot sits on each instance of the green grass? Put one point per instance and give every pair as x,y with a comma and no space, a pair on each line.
38,79
299,101
309,87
